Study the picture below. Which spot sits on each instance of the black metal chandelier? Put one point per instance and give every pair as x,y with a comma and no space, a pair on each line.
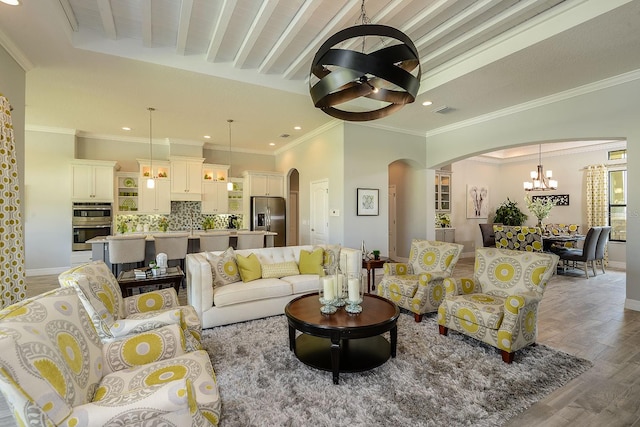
390,75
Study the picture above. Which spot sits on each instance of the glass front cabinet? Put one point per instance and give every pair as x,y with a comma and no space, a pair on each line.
443,191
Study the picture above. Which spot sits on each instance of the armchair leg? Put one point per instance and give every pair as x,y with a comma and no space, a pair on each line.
443,330
417,317
506,356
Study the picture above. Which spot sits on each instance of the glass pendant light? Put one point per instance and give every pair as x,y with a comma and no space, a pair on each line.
151,183
229,183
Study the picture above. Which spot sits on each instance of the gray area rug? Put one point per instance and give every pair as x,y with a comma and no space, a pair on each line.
433,381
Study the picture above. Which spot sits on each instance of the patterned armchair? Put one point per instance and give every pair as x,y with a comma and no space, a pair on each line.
55,371
518,238
499,305
116,317
417,285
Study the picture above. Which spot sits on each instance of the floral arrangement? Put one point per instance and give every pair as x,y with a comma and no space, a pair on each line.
163,223
443,220
540,208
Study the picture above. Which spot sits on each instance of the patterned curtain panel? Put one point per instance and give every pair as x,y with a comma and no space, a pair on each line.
12,284
597,196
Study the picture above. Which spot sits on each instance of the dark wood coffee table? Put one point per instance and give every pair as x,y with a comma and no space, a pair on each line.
128,281
342,342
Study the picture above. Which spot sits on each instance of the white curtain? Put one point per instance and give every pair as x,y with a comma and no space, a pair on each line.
12,280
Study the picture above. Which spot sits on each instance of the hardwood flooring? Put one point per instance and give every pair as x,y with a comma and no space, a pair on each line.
584,317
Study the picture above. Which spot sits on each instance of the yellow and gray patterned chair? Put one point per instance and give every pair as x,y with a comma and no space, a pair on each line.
55,371
116,317
499,305
417,285
561,230
518,238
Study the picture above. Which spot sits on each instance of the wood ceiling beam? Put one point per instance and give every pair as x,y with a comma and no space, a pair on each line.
106,15
255,31
220,28
183,26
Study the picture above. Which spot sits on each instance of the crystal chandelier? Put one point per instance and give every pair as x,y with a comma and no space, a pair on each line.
540,180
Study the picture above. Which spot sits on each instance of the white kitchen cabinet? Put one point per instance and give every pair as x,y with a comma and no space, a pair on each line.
92,181
443,191
446,235
264,184
236,196
215,199
155,200
186,178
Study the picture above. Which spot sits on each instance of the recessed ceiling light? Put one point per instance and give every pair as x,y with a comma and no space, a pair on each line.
427,103
272,144
123,127
297,127
207,137
11,2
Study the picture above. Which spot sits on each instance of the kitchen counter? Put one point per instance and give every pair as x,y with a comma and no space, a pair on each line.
100,246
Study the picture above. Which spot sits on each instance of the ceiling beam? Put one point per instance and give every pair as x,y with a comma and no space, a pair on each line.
337,23
68,12
183,26
220,28
255,31
108,24
147,26
299,20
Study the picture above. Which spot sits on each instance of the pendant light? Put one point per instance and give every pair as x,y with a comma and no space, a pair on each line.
540,180
229,183
151,183
357,86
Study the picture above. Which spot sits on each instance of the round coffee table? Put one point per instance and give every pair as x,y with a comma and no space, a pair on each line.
342,342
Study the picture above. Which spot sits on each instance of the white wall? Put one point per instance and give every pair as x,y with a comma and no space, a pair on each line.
409,180
611,111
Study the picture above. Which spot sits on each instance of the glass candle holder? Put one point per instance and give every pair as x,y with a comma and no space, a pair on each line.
341,288
327,294
355,293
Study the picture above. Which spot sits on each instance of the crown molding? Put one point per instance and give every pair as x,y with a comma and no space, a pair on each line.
15,52
50,129
317,131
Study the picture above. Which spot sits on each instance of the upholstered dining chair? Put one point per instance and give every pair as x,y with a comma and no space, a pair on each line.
126,249
417,285
518,238
499,305
488,236
586,255
114,316
214,241
57,372
601,246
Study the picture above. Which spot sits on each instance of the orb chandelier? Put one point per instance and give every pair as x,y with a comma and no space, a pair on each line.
359,86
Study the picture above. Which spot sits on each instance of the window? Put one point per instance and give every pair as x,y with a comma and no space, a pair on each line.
618,155
618,204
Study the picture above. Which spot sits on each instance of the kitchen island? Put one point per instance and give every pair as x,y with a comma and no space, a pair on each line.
100,245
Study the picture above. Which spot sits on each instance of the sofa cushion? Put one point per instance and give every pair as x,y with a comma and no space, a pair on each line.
249,267
223,268
312,262
303,283
259,289
279,269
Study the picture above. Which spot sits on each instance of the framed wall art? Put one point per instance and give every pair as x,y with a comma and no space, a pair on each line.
367,199
559,199
477,201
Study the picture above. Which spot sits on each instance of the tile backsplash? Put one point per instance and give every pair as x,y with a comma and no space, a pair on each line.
185,216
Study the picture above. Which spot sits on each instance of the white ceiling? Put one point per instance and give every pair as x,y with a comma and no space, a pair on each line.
96,65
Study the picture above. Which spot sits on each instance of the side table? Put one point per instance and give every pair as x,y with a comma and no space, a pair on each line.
371,265
128,281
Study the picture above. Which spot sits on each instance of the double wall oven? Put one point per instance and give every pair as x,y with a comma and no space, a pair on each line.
90,220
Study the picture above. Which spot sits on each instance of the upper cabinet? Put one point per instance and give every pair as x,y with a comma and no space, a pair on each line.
264,184
443,191
186,178
92,180
214,189
156,200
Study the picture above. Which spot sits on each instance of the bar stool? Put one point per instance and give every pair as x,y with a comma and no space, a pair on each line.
126,250
214,241
174,245
250,240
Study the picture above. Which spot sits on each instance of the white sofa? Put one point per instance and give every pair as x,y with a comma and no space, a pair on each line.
239,301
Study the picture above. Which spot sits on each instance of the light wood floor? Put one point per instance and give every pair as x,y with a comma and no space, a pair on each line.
578,316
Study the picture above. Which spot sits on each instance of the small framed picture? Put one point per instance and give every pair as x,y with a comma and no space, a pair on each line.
367,201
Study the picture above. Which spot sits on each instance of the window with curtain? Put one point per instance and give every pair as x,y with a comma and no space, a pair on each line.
618,204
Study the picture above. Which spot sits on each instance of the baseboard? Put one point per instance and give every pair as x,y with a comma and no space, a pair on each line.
632,304
46,271
617,264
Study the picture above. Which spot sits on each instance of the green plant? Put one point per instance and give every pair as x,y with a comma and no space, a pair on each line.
208,223
508,213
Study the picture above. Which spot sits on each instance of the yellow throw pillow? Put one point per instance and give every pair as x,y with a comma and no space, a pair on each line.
311,262
249,267
279,269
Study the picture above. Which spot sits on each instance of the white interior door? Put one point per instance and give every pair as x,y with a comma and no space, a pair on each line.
319,211
392,221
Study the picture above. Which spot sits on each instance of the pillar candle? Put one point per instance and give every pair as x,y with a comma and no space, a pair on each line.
354,290
329,293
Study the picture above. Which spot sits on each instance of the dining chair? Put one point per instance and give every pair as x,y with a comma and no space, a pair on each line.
488,236
518,238
586,255
601,246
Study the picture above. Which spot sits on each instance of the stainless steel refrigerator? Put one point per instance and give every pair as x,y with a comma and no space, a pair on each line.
269,214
